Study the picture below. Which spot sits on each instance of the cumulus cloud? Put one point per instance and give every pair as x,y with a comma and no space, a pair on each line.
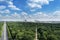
2,7
39,16
13,7
16,15
55,16
12,16
4,11
23,15
56,13
7,11
10,4
38,3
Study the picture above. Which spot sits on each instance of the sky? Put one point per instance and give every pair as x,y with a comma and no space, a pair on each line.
30,10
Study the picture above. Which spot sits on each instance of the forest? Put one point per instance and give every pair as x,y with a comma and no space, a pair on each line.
33,31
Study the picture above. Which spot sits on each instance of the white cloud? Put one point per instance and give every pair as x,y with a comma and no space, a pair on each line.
12,16
7,17
1,0
40,16
5,11
32,5
2,7
13,7
57,13
38,3
24,13
10,4
16,15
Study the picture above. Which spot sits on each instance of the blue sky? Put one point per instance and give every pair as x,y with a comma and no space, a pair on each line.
42,10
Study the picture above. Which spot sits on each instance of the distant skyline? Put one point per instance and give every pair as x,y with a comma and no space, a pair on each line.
42,10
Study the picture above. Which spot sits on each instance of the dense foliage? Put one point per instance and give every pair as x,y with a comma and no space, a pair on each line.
1,25
27,31
21,31
46,31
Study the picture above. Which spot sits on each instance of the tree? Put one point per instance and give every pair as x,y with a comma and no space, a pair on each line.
52,37
42,37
